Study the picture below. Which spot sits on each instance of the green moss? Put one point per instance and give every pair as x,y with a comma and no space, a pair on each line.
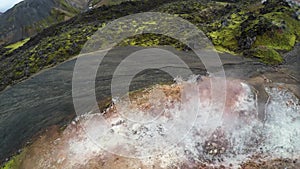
200,14
267,55
221,49
19,73
148,40
284,34
275,28
277,39
16,45
15,161
226,37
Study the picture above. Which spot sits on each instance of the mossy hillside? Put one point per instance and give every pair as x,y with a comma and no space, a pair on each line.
259,28
63,41
219,20
205,15
49,52
232,27
275,28
201,14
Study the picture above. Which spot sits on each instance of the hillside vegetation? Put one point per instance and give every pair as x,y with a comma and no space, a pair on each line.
262,31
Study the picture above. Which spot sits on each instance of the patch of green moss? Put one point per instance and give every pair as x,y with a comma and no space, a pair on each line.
16,45
284,34
226,38
148,40
221,49
15,161
256,25
19,73
267,55
277,39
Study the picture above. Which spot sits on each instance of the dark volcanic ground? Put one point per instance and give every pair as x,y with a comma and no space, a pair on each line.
46,99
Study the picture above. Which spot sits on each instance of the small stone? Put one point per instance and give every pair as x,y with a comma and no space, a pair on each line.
214,144
222,150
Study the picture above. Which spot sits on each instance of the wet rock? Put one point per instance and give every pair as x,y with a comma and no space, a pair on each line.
217,144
